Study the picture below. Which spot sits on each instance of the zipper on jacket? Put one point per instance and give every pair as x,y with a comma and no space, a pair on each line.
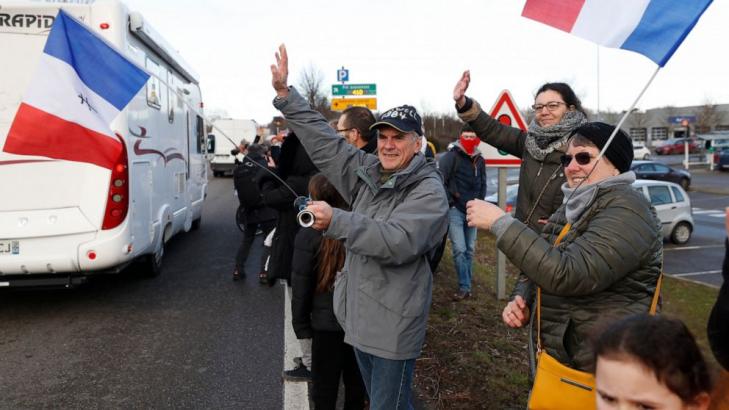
541,165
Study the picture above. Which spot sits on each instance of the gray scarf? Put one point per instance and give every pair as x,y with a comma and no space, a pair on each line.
541,141
584,195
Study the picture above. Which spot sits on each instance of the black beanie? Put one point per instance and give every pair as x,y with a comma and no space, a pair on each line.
466,128
620,151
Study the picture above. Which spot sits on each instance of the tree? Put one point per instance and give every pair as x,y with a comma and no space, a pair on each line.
311,84
708,117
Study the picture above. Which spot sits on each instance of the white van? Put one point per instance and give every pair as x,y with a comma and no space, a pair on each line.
227,134
62,220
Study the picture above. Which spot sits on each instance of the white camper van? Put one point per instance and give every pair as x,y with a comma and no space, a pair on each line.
223,160
62,220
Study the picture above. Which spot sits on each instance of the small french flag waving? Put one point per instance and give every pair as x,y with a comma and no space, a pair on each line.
80,86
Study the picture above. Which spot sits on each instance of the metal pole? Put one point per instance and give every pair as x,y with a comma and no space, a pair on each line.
599,116
500,257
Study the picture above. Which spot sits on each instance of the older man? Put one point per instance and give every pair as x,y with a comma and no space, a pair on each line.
398,216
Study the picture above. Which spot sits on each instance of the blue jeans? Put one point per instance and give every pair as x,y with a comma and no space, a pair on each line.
463,240
388,382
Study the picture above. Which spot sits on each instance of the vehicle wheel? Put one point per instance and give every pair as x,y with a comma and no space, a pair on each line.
152,263
217,174
681,233
685,184
196,224
646,156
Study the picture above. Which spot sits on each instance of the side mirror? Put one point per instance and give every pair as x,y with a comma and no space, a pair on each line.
211,143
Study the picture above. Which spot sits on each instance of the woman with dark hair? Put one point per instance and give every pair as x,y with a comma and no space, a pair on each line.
557,112
650,362
316,262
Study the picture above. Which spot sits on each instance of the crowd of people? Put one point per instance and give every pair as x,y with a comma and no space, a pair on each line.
588,248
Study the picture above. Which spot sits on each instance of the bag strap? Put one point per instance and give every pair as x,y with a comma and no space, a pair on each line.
652,311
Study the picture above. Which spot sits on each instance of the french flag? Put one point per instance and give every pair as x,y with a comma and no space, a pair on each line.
81,84
654,28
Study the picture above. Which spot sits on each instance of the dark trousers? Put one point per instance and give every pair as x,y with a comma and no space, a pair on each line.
330,358
249,235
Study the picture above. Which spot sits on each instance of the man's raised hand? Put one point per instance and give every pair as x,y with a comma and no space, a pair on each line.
280,72
459,91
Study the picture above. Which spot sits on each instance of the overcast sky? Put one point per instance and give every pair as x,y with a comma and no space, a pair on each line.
416,50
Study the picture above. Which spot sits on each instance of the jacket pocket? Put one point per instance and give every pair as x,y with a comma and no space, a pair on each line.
339,299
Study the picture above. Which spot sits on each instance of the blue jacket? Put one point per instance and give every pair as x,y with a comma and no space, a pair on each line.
464,176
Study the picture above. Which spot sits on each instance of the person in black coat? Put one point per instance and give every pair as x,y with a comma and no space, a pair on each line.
295,168
253,214
718,327
316,262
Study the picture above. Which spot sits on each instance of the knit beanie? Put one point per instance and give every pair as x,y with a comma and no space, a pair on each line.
620,151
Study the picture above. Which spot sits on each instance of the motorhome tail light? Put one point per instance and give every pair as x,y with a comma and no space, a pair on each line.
509,208
104,26
91,255
117,203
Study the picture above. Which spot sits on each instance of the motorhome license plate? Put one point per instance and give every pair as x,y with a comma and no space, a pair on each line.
9,248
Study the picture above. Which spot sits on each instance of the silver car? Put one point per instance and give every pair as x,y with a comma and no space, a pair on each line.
673,207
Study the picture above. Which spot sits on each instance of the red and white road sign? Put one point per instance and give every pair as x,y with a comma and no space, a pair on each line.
506,112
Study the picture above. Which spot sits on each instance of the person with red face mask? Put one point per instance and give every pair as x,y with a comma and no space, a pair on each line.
464,175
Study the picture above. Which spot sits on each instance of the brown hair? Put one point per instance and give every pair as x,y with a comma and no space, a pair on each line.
331,251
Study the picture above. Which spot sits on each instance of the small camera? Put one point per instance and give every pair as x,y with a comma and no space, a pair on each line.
304,217
234,151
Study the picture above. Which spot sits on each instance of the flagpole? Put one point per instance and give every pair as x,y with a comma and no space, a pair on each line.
597,48
625,115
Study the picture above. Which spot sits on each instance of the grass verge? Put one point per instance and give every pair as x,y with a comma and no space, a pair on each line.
471,360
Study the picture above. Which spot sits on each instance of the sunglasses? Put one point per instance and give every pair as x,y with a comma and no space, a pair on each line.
582,158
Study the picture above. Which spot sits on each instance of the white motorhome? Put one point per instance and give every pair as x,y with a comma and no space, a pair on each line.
233,131
62,220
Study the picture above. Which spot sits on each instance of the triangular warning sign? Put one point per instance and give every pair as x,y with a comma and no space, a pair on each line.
505,111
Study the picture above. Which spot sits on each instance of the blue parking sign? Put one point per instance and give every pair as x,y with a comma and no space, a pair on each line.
342,75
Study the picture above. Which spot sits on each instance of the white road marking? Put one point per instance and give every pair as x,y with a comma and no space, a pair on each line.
689,248
296,394
708,272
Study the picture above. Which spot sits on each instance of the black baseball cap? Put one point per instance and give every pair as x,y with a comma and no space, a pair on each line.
404,118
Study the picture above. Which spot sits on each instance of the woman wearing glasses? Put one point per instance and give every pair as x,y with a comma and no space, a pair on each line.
557,112
609,259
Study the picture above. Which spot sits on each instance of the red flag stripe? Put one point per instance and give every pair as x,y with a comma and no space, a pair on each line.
560,14
36,132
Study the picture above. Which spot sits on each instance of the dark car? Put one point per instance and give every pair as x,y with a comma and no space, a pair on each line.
677,146
721,158
511,193
657,171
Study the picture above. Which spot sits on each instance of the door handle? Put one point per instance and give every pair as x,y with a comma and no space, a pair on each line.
674,207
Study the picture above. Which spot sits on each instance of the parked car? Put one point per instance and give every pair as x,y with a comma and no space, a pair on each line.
661,172
721,158
673,207
677,146
511,192
640,151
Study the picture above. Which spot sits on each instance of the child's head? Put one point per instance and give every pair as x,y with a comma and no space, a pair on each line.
650,362
320,189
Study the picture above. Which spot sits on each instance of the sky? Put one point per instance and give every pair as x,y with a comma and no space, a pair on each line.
415,51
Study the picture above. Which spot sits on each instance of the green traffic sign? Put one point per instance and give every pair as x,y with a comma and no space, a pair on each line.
354,89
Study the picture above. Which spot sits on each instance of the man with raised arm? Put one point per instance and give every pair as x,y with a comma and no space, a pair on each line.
399,206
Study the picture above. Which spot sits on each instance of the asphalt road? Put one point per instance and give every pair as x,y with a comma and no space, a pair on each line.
190,338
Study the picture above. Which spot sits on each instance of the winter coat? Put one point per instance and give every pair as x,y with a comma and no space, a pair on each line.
247,179
718,327
464,176
309,309
383,295
606,267
295,168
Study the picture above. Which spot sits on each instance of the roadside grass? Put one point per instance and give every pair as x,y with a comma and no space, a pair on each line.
471,360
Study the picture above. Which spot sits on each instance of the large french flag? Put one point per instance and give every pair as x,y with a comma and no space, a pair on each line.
80,86
654,28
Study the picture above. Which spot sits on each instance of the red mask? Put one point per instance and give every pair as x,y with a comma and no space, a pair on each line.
469,144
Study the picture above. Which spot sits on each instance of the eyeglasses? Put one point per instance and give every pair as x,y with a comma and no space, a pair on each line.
342,131
551,106
582,158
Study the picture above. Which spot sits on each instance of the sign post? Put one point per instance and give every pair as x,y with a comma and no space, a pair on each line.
504,111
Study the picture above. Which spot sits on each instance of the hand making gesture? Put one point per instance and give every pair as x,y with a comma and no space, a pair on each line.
459,91
280,72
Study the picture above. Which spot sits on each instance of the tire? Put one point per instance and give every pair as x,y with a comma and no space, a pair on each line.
646,157
152,264
196,224
685,184
681,233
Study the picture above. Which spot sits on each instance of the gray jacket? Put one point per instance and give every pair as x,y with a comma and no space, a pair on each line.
382,297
